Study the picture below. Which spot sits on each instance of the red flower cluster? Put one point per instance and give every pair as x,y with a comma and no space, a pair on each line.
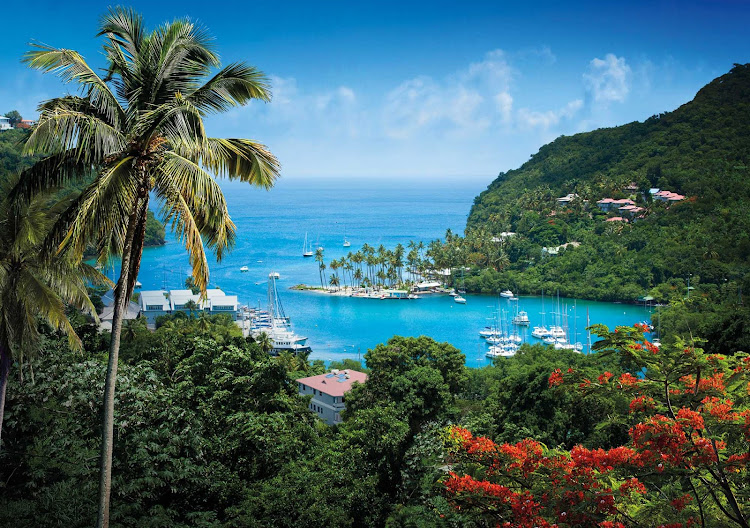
642,404
628,380
633,486
556,378
680,502
604,378
719,409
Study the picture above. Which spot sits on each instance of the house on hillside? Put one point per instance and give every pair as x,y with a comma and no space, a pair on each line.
328,392
610,204
668,196
26,123
565,200
554,251
5,123
502,236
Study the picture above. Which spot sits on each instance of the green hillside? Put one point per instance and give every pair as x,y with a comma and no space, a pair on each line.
700,150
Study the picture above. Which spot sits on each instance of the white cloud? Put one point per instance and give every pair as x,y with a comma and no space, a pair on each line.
504,105
461,104
608,79
528,119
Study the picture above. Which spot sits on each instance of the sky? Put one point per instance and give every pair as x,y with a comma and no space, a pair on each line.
419,89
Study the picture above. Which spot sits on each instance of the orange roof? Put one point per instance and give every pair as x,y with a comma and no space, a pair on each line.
334,384
616,219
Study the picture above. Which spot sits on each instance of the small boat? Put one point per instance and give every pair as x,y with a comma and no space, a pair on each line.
507,294
307,250
458,299
138,284
540,332
453,293
243,269
274,275
489,332
347,243
521,319
502,351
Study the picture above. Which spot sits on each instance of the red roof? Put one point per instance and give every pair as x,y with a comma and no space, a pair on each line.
616,219
334,384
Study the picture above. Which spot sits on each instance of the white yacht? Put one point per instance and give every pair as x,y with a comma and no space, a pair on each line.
458,299
277,325
502,351
243,269
521,319
507,294
307,249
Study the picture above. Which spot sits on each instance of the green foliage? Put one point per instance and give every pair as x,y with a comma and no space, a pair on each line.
519,404
198,423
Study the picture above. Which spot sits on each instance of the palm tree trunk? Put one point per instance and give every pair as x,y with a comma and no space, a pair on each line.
122,297
4,373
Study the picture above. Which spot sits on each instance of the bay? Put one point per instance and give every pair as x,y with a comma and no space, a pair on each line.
271,227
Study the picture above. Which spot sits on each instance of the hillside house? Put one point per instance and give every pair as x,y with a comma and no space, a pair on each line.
5,123
328,392
610,204
565,200
668,196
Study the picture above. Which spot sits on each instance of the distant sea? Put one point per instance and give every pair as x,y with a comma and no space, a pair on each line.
271,227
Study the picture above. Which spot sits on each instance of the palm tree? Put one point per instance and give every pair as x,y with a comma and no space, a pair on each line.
191,306
34,285
265,342
140,130
334,281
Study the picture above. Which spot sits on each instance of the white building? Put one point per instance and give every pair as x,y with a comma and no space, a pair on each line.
5,123
154,303
328,392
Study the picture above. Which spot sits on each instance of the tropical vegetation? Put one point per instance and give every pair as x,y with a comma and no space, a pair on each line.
140,131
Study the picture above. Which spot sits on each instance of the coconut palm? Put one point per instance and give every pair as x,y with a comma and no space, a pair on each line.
34,285
139,130
265,342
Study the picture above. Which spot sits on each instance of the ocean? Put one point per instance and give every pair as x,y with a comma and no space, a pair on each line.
271,228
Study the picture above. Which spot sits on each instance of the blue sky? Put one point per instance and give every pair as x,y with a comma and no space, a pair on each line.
421,90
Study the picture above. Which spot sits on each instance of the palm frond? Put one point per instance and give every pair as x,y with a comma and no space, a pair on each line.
204,197
60,129
50,173
71,67
238,159
234,85
177,211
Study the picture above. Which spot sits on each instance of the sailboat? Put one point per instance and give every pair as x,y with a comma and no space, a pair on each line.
540,332
307,249
457,298
346,242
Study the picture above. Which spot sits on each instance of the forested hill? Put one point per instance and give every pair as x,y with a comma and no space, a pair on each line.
699,150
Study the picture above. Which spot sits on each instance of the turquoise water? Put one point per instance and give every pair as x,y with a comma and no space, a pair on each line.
271,227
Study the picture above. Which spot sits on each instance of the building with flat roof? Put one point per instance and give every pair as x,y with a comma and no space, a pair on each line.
328,392
154,303
5,123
